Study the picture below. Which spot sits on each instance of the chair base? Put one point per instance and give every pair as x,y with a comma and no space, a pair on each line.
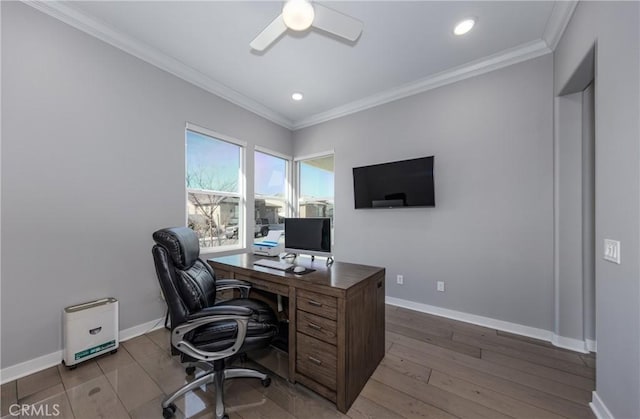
215,374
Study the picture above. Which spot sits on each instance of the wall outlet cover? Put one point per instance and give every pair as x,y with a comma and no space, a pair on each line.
612,251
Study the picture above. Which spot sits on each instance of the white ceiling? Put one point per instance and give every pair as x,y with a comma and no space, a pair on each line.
405,47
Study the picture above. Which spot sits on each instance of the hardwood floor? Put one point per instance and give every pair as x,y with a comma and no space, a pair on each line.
434,367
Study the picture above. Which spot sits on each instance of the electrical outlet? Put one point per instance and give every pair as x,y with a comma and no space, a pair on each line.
440,286
612,251
400,280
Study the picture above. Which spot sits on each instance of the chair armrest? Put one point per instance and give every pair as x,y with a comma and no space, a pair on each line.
206,316
228,284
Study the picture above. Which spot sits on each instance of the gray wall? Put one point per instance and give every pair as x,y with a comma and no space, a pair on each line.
92,164
569,245
490,236
614,27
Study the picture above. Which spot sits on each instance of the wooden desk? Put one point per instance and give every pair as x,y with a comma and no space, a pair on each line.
336,320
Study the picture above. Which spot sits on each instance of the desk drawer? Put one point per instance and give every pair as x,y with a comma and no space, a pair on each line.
316,326
322,305
263,285
316,360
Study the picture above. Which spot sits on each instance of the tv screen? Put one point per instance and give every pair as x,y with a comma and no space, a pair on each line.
406,183
307,235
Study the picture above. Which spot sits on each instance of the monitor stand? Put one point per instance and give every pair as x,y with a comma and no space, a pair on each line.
313,258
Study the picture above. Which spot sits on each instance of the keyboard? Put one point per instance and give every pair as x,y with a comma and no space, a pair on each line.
274,264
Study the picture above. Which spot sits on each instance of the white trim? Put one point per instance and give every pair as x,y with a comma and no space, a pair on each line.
81,21
503,59
592,345
556,213
599,408
31,366
570,343
314,155
489,322
265,150
558,21
216,135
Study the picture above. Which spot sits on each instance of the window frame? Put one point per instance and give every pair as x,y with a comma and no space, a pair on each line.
242,191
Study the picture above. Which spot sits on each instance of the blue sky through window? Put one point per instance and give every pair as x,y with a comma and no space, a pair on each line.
212,164
270,175
315,182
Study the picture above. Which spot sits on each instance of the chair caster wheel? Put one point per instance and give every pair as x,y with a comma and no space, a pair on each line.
169,411
190,370
266,382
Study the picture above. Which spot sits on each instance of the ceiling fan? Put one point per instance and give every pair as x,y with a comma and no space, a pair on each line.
299,15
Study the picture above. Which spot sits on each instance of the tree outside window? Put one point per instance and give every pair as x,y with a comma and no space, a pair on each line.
213,189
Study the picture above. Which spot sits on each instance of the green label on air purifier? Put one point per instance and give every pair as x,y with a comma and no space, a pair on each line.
91,351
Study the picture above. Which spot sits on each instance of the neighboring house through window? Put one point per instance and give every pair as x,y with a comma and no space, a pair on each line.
316,186
272,186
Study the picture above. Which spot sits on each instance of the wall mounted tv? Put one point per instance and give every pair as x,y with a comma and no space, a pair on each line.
310,236
406,183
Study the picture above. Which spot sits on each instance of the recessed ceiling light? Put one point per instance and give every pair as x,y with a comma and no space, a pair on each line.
297,96
464,26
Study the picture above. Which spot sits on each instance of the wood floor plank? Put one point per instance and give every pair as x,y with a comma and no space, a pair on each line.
401,403
518,391
420,323
421,350
525,339
560,364
444,342
539,370
433,321
434,396
489,398
589,361
363,408
521,345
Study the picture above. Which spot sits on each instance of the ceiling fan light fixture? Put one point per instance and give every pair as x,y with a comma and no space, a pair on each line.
298,14
464,26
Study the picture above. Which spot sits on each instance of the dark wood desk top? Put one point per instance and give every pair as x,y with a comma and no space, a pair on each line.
339,275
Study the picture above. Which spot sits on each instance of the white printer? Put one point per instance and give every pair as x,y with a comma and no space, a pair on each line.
270,246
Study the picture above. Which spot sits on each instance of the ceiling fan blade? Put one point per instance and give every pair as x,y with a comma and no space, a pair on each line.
269,35
336,23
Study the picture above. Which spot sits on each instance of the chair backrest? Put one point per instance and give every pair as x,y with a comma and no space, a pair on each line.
188,283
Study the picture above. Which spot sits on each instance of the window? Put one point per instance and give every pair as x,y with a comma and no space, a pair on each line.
315,187
271,193
214,189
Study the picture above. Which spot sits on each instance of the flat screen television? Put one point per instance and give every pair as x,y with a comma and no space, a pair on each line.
406,183
311,236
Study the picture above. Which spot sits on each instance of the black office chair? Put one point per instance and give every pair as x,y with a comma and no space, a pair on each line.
205,333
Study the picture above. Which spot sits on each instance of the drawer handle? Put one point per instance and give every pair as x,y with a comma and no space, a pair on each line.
315,303
314,360
315,326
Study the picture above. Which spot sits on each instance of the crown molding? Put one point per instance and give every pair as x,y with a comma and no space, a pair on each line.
558,21
81,21
556,24
505,58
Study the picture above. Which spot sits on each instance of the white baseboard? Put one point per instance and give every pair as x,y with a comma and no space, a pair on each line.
519,329
592,345
599,408
38,364
570,343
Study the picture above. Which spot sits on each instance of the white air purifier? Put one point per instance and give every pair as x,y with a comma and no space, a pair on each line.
89,330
